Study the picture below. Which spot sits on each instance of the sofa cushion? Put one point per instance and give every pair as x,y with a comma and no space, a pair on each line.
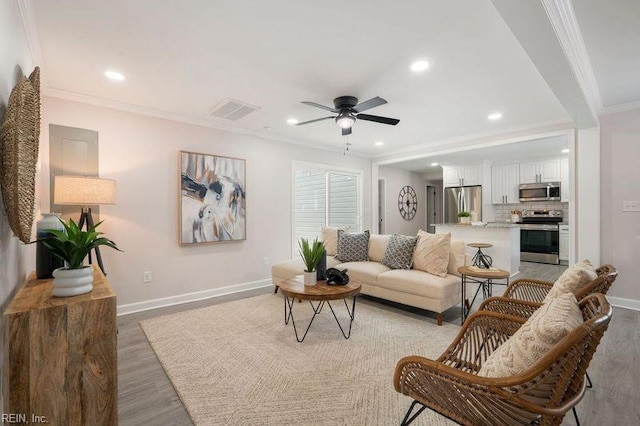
546,327
432,253
290,268
365,272
352,247
399,252
377,246
572,279
456,257
329,236
420,283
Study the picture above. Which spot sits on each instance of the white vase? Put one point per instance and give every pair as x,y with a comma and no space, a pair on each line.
310,278
72,282
465,220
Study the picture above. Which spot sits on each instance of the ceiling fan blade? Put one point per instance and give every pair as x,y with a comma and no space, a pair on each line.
378,119
346,131
371,103
313,121
320,106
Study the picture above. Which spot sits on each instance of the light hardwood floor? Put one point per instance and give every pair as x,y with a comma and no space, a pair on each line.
146,395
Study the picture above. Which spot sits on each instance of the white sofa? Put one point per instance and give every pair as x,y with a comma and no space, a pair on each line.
407,286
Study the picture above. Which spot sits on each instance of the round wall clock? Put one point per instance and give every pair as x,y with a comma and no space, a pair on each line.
407,202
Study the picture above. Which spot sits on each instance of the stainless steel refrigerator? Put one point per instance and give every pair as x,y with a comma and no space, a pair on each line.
462,199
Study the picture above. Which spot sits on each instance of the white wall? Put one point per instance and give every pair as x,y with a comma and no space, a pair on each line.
16,259
620,181
395,180
141,154
587,158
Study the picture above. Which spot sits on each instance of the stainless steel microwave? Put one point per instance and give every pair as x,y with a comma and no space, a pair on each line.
540,191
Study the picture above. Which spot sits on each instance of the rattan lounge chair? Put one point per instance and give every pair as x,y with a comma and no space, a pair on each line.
540,395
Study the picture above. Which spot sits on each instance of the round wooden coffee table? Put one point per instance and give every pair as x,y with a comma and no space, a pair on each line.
484,277
322,293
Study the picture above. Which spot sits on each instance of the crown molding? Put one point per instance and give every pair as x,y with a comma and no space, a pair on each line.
565,25
197,121
33,38
614,109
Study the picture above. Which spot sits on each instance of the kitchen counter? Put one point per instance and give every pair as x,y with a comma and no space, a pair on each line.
504,236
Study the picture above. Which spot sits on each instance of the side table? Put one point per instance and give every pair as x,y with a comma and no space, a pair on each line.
484,277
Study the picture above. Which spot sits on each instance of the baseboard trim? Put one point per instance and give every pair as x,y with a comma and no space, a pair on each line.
621,302
132,308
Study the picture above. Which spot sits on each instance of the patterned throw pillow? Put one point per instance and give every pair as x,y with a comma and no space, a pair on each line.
432,253
546,327
352,247
399,252
572,279
329,237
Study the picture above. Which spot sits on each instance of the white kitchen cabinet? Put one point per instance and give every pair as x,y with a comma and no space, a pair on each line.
504,184
540,171
564,244
462,175
565,189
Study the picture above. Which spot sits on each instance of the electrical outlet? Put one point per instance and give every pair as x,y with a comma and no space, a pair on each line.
631,206
146,276
265,261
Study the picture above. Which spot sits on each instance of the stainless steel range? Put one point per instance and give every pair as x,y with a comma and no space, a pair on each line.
540,236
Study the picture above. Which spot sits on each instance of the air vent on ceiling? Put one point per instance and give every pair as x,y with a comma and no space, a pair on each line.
232,109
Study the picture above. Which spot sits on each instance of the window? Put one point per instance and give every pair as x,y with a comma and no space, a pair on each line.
324,197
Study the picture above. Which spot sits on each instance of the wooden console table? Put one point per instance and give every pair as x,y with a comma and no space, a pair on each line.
60,355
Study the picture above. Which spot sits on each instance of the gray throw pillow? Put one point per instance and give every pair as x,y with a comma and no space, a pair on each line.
399,252
352,247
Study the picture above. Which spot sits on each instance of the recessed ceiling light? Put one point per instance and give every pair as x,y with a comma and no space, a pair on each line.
379,143
565,151
292,121
495,116
434,164
114,76
419,66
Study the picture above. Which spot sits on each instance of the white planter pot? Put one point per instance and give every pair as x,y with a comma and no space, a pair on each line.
310,278
465,220
72,282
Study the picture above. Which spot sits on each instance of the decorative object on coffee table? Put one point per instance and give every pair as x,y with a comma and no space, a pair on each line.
212,199
311,255
73,245
19,144
322,293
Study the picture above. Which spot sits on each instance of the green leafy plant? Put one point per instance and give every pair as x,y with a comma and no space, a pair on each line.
464,214
73,244
311,253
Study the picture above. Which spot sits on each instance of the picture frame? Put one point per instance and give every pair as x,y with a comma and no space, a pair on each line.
212,207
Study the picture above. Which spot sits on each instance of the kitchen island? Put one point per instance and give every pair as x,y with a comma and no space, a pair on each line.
505,238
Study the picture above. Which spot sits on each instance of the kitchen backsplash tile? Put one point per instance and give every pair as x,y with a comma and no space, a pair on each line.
502,212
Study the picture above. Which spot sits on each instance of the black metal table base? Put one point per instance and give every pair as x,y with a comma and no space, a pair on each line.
487,291
289,302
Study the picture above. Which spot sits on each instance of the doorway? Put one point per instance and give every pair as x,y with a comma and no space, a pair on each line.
381,206
432,211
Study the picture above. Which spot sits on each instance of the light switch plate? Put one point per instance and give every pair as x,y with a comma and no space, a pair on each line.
631,206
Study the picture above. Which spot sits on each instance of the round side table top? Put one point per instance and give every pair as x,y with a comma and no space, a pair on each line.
295,288
480,245
474,271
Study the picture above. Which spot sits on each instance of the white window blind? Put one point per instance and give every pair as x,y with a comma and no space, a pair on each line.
324,198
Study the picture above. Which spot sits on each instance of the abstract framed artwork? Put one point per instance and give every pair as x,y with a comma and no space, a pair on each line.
212,199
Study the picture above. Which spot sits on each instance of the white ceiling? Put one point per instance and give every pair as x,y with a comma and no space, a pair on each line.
182,58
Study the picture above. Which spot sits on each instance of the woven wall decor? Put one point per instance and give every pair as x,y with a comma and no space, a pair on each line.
19,141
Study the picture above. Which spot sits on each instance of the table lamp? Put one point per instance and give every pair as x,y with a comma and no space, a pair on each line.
85,191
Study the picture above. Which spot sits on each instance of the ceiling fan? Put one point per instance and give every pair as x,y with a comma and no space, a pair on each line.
348,110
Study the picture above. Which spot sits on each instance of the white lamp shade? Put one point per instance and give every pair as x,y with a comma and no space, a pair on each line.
83,191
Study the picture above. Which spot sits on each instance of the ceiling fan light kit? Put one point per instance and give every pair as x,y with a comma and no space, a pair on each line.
348,111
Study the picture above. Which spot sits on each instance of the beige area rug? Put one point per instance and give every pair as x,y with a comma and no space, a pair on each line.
237,363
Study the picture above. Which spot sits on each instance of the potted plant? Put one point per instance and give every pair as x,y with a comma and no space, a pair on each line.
311,254
464,218
72,245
